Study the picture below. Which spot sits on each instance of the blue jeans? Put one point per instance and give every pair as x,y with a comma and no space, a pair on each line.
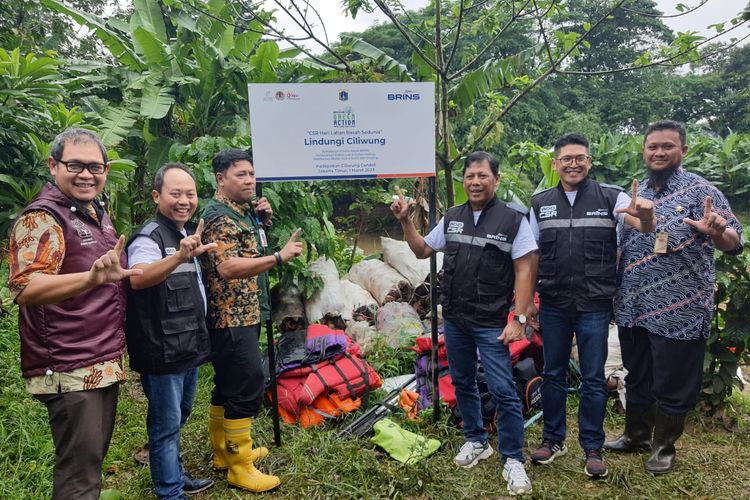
170,401
591,330
462,341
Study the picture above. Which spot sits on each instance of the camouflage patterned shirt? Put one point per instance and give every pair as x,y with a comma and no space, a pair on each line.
235,302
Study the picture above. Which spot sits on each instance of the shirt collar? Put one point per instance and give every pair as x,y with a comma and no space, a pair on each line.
672,182
243,209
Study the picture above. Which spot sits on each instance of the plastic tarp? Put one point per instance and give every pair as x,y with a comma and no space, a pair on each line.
404,446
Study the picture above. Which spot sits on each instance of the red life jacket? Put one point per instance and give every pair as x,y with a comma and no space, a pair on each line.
311,393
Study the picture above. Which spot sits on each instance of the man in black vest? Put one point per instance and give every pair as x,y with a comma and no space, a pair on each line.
489,252
575,224
166,323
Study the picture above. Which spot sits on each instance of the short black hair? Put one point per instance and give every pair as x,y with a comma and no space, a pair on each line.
479,157
225,158
159,175
568,139
75,136
667,125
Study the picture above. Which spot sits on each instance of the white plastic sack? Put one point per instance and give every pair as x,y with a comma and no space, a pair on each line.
398,255
383,282
357,302
287,309
363,333
329,300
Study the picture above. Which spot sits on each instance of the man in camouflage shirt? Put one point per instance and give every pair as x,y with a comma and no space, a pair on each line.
237,287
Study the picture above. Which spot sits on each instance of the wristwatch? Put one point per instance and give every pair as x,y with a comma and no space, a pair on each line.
521,318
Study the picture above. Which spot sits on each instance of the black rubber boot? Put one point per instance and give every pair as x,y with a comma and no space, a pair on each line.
667,429
639,425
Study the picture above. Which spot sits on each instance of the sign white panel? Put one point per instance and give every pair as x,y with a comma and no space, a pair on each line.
342,130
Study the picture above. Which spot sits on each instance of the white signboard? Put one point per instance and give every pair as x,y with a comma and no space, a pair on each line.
342,130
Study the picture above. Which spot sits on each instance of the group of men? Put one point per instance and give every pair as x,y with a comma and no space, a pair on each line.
84,294
180,294
592,253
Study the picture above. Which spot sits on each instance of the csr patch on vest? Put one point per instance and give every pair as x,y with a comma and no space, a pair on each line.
547,211
599,212
455,227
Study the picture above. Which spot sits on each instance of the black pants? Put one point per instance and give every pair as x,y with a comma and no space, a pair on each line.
81,423
660,369
239,378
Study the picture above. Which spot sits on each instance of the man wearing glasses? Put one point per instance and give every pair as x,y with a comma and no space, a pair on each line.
575,224
66,271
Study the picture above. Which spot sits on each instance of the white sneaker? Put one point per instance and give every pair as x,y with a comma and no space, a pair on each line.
472,452
515,474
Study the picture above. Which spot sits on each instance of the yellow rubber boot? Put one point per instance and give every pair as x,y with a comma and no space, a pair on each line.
216,433
242,472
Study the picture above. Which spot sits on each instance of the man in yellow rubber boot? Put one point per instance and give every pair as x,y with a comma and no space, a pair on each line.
216,433
237,286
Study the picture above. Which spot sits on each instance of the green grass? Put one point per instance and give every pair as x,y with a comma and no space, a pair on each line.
313,464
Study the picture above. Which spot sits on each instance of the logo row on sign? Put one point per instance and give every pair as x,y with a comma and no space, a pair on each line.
407,95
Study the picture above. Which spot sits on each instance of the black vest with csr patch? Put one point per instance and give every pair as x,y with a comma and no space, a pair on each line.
166,323
478,274
577,246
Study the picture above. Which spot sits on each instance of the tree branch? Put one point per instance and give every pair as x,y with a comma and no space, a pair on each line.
467,66
400,27
662,62
533,85
454,49
664,16
307,28
547,47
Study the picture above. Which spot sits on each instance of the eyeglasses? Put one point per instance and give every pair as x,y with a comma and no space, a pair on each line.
568,160
76,167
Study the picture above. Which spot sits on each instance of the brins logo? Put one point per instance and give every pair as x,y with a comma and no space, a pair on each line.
343,95
406,95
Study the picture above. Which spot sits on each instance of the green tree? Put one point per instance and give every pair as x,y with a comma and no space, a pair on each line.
460,48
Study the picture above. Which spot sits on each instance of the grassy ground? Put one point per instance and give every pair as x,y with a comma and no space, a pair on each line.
712,463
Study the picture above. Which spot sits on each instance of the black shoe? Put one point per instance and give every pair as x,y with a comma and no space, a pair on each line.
667,430
595,466
639,425
191,485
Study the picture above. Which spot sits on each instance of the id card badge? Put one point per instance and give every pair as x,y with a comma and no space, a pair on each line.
263,240
660,245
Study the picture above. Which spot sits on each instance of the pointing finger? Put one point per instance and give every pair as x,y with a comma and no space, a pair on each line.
635,190
708,207
120,244
199,229
295,234
398,193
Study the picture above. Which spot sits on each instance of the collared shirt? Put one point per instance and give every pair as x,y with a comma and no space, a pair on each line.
235,302
672,294
38,247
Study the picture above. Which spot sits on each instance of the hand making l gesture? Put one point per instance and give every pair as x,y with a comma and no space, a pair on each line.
639,208
400,206
107,269
191,246
712,224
